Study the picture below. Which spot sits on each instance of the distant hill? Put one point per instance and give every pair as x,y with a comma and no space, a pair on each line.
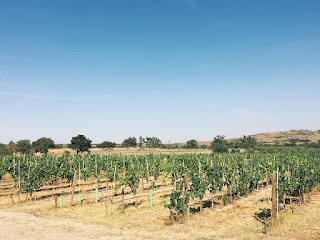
300,136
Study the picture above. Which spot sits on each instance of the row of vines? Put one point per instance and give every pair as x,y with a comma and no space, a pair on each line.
192,175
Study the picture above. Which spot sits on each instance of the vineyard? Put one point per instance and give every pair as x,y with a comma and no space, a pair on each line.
191,178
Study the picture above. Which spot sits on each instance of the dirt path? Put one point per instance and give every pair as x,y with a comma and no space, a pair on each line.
15,225
234,221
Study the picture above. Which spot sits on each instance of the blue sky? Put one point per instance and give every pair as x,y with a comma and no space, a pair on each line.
175,69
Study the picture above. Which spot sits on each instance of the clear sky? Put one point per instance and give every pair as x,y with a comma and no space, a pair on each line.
174,69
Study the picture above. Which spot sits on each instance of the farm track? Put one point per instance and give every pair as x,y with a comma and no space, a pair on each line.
233,221
15,225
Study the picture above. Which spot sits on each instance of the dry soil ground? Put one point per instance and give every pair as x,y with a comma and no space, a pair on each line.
40,220
131,150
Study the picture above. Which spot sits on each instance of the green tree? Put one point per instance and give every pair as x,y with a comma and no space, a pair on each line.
192,144
3,150
42,145
219,144
80,143
106,144
153,142
129,142
24,146
141,141
12,148
248,142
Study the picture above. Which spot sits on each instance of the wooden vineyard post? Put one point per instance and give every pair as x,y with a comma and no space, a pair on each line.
274,204
114,177
56,201
83,181
277,193
265,224
29,163
73,186
19,182
124,175
11,197
222,198
171,216
212,202
142,185
148,173
79,175
95,162
52,188
303,196
122,201
174,180
107,170
14,166
185,194
97,190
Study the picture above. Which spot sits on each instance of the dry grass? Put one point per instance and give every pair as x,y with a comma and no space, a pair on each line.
229,222
102,151
233,221
282,137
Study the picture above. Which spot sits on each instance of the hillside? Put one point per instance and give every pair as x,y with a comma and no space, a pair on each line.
301,136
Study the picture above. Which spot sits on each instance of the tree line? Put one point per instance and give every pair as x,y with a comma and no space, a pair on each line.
81,144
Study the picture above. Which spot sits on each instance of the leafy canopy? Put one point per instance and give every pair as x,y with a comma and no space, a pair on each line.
106,144
153,142
219,144
129,142
42,145
192,144
80,143
24,146
3,150
12,148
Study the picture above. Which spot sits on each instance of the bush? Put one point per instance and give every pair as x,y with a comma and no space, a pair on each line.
219,144
153,142
246,142
220,148
42,145
129,142
106,144
192,144
4,150
12,148
24,146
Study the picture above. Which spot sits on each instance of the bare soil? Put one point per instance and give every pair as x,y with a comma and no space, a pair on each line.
131,150
41,220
